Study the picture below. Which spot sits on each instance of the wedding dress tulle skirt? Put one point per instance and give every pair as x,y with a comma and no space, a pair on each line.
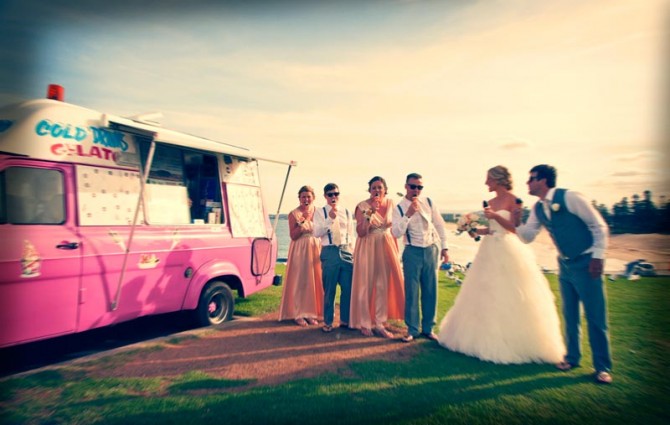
505,311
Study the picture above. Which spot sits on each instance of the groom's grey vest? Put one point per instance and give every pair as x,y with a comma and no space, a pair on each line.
570,234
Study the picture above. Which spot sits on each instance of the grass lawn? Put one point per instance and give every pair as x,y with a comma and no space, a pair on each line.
435,387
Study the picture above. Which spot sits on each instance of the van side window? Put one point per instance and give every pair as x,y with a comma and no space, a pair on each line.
107,196
204,187
183,187
3,198
32,196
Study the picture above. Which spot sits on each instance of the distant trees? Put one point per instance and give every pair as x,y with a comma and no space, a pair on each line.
639,215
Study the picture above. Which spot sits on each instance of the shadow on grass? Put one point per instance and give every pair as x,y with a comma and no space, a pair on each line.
431,385
420,392
434,387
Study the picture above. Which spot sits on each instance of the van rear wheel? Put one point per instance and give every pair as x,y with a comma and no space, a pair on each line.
216,304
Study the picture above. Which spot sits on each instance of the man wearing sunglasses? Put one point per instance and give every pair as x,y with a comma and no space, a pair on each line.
334,226
580,235
419,222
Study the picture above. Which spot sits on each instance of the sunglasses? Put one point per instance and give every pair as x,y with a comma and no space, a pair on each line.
533,178
331,194
415,186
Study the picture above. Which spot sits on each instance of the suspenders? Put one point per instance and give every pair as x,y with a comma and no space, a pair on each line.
330,236
409,241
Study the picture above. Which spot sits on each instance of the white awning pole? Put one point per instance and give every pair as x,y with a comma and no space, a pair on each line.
145,176
274,225
281,199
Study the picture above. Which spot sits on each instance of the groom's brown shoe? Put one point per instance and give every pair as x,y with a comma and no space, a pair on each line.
603,377
564,366
429,335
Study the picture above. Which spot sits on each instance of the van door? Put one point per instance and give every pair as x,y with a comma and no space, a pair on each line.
40,259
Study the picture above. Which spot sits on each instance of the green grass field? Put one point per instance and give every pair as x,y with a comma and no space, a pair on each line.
435,387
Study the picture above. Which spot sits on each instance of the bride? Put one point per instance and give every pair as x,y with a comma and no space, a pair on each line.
505,311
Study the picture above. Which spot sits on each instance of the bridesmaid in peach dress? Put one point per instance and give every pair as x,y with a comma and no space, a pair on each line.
302,297
377,292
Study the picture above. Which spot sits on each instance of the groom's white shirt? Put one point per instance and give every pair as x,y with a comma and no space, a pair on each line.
323,222
420,225
578,205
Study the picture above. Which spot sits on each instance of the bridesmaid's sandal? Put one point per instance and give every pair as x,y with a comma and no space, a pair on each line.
327,328
366,332
300,321
382,332
312,321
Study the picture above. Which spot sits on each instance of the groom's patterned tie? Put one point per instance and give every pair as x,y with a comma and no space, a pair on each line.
337,234
546,205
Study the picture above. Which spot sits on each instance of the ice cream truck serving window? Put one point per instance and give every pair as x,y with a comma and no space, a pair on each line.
105,219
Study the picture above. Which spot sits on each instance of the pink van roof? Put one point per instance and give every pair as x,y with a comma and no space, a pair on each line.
54,130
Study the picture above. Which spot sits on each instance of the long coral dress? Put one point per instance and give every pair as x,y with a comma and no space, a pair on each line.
505,311
377,292
302,296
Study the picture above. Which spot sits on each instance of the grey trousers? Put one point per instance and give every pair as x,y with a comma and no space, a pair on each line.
420,273
577,286
334,270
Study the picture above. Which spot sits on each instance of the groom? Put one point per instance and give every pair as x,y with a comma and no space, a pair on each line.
333,225
419,222
580,235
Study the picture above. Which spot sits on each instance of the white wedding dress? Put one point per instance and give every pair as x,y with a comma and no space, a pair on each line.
505,312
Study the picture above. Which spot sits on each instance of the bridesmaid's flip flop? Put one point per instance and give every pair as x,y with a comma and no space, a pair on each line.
382,332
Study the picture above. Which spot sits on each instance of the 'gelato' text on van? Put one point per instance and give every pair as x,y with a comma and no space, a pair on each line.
79,150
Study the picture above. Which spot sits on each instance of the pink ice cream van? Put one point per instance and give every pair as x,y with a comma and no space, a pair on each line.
104,219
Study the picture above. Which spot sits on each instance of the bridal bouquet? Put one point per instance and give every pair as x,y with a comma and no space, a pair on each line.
468,223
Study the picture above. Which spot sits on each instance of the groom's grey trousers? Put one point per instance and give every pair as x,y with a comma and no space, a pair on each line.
577,284
334,270
420,272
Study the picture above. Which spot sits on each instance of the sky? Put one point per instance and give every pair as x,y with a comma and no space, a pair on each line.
356,89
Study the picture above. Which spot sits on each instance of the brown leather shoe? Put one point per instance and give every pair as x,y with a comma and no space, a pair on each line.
603,377
408,338
564,366
431,336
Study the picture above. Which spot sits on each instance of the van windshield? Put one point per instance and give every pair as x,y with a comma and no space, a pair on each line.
31,196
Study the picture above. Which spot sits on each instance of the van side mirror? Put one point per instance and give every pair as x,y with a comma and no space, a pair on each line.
261,256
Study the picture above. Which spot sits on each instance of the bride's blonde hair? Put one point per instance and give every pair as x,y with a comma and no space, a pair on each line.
502,176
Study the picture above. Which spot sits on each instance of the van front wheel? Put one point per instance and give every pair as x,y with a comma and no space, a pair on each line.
216,304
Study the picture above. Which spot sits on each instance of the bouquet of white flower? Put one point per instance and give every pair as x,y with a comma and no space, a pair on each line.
468,223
